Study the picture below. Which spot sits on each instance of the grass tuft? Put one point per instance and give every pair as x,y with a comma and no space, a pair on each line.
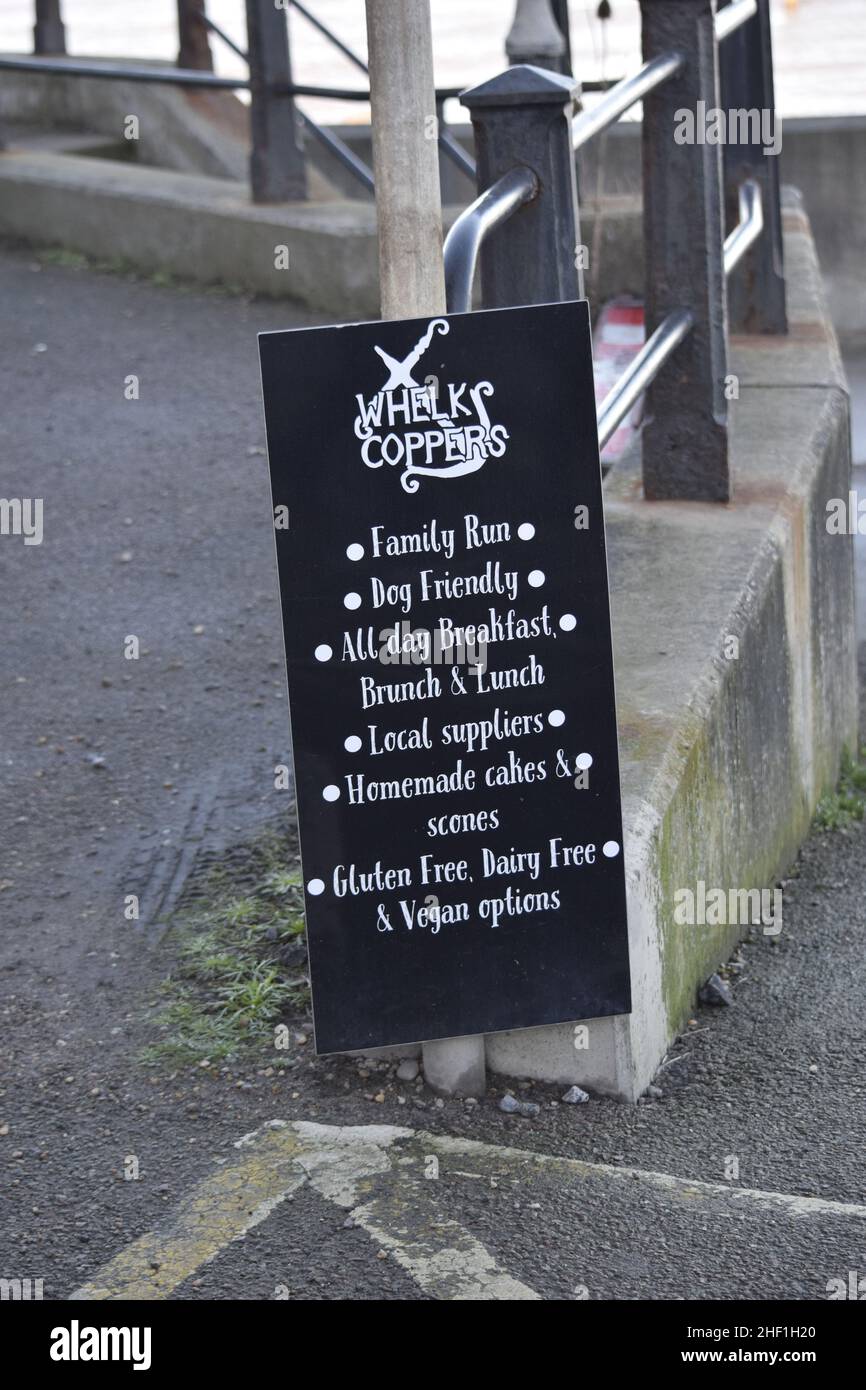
841,809
240,959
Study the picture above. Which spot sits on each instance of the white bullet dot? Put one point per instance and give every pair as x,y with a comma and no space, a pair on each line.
352,601
324,652
610,849
568,622
331,793
526,531
583,761
355,551
352,744
536,578
556,717
316,886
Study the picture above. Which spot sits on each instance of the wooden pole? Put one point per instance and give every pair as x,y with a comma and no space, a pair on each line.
412,283
405,158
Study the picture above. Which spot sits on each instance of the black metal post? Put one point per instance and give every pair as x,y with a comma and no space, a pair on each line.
535,37
523,117
685,439
560,14
756,289
277,170
194,45
49,35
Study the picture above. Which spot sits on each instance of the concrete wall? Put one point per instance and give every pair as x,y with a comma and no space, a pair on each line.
196,228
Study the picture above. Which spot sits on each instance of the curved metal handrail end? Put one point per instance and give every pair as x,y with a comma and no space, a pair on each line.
749,227
462,244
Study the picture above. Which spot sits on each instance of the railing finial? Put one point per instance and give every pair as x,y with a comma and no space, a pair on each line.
535,37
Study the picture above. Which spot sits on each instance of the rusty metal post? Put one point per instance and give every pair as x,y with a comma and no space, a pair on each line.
193,44
685,439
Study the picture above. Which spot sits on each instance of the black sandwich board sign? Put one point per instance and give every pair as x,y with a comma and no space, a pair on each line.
441,553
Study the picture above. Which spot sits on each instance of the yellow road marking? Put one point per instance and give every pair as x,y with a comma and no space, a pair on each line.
219,1210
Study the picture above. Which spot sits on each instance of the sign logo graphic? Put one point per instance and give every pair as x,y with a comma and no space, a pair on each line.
430,436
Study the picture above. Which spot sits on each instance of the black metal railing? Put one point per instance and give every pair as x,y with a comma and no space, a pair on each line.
277,165
697,60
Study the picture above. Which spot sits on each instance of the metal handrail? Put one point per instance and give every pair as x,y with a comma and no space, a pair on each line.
646,366
641,372
625,94
185,77
175,77
72,67
463,242
732,16
749,227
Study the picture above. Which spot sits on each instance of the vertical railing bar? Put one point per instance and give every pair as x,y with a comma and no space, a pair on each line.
277,168
756,295
685,437
49,33
192,27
